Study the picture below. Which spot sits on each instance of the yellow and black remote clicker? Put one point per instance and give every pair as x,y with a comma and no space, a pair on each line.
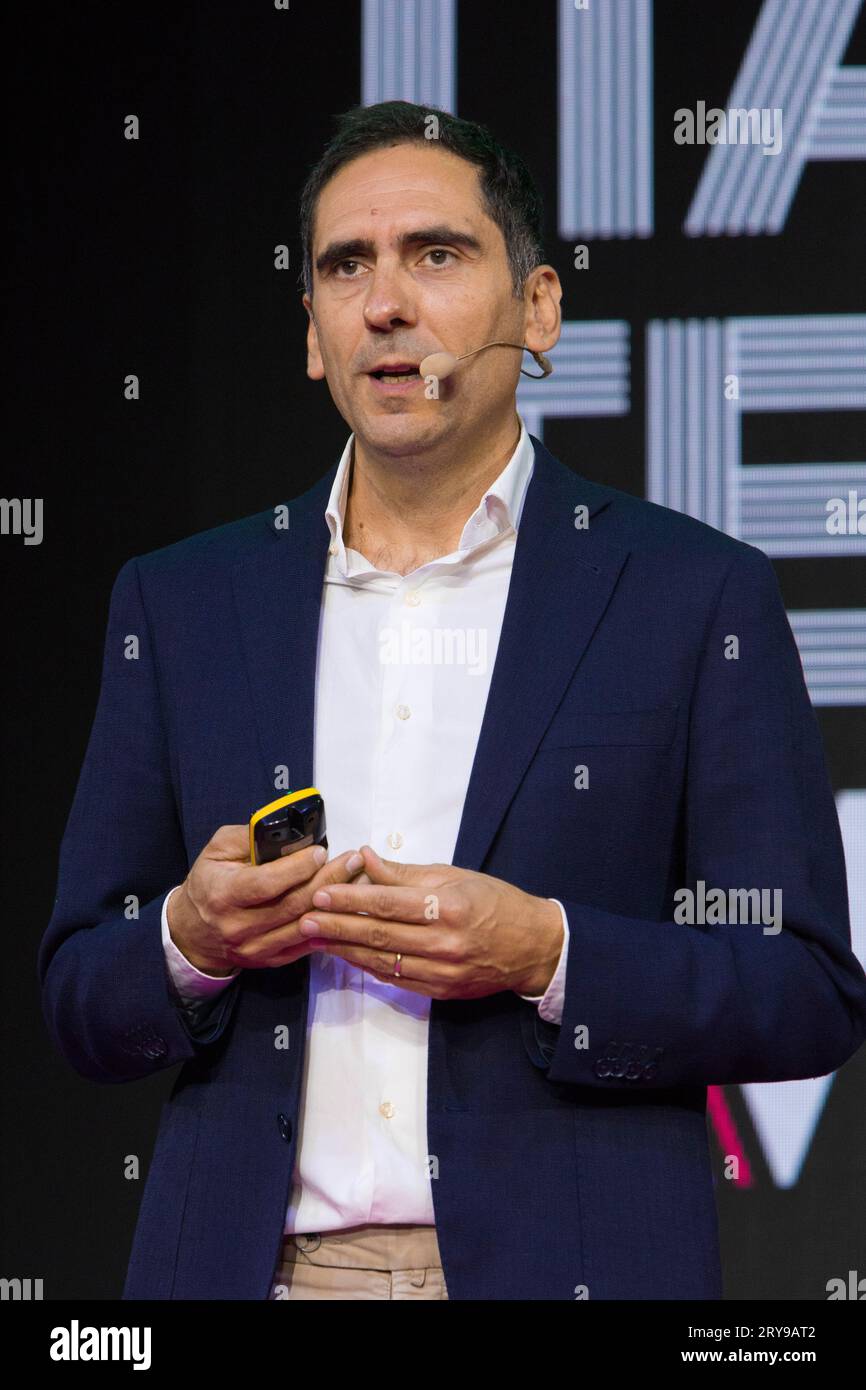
286,825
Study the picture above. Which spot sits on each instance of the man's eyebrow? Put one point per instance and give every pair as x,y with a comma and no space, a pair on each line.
421,236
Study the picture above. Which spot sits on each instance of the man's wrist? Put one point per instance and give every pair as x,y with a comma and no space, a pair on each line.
547,933
183,918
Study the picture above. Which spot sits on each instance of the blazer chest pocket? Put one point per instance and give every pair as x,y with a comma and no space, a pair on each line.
650,728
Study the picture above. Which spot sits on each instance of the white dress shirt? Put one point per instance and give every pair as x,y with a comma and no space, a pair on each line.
402,678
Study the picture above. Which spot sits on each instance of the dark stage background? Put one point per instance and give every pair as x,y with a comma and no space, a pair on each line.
156,257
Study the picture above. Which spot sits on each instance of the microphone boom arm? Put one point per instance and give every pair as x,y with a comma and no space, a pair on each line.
442,364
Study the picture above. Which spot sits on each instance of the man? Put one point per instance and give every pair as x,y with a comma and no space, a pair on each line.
475,1068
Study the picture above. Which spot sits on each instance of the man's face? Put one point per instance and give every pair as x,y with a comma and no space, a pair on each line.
380,296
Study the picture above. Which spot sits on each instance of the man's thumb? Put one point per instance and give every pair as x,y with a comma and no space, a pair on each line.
385,870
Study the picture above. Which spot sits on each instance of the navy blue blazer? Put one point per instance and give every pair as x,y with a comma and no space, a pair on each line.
570,1163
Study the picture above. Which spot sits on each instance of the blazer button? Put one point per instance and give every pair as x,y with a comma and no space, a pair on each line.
285,1127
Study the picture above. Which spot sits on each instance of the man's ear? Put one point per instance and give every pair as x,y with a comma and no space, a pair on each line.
543,318
315,367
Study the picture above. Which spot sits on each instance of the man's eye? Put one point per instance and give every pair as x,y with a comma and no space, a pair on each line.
434,251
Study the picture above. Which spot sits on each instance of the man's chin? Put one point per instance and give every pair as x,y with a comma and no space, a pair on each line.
401,432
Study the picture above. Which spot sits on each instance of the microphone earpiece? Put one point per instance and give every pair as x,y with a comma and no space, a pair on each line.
442,364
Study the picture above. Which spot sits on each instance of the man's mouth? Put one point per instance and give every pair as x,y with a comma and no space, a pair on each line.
402,371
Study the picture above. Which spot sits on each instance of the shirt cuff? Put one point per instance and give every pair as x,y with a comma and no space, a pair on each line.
189,982
552,1002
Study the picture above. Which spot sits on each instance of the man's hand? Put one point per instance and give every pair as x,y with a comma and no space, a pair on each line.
231,913
462,934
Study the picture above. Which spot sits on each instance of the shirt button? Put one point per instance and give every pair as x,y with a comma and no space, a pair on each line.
386,1109
332,550
395,839
402,711
412,597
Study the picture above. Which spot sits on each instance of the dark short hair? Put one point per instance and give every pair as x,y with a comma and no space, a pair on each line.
508,192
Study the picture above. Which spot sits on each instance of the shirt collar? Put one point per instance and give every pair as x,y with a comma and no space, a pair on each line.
498,511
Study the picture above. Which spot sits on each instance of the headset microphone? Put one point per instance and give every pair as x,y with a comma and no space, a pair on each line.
442,364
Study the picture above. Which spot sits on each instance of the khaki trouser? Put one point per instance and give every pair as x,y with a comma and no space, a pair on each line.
361,1262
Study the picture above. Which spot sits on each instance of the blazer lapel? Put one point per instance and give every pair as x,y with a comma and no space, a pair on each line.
278,592
561,581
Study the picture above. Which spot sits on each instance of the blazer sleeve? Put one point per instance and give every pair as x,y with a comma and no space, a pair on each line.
106,993
656,1004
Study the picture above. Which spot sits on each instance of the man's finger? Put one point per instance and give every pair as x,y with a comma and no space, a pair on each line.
381,935
396,904
420,971
230,842
262,883
389,871
332,872
275,925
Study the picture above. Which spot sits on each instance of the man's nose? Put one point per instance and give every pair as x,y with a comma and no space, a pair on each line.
390,297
